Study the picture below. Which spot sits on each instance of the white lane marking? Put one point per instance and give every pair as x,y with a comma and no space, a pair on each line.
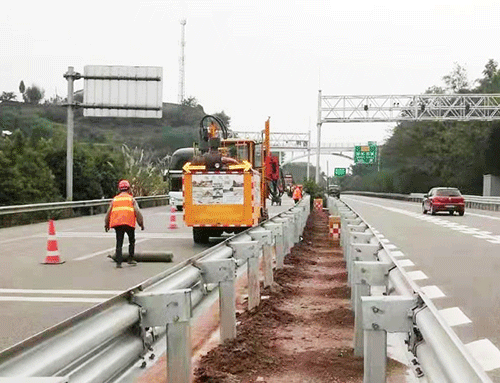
18,239
486,353
110,235
397,253
385,240
100,252
477,233
417,275
390,246
454,316
432,291
405,263
54,299
68,292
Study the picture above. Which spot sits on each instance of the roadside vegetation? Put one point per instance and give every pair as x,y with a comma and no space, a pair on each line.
415,158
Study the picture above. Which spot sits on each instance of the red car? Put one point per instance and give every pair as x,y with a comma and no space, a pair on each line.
443,199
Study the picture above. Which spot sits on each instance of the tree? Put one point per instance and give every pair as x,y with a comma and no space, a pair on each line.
456,81
22,88
33,94
224,117
7,96
190,101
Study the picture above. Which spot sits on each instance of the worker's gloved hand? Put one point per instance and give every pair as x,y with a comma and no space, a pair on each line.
106,228
142,227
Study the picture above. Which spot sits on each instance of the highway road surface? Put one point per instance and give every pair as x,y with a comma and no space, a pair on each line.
455,260
36,296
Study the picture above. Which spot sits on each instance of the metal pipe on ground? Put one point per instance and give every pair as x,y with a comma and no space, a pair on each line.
149,256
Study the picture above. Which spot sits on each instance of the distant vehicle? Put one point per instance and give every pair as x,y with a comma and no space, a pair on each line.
174,175
334,190
445,199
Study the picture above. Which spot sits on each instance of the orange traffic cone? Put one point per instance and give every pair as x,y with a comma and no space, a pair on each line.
173,224
53,256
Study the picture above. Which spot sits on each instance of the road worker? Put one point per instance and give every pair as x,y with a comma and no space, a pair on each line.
297,193
122,215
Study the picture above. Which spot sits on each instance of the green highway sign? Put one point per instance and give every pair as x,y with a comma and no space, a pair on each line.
340,172
365,154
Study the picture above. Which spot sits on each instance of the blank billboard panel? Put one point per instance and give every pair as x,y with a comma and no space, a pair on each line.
122,91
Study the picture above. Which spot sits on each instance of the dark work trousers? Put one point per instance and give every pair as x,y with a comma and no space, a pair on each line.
120,234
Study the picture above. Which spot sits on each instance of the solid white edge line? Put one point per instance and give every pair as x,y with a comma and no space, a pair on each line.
486,353
454,316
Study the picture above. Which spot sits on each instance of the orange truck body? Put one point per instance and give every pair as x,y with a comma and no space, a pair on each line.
221,199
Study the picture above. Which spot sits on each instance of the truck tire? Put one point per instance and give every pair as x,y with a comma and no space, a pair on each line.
201,235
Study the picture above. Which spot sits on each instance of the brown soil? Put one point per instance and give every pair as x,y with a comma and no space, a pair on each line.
304,331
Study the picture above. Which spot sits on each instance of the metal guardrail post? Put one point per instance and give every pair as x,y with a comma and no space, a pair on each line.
172,308
265,240
223,272
381,315
277,235
365,275
249,251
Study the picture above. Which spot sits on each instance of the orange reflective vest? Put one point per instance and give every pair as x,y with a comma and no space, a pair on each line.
122,211
297,193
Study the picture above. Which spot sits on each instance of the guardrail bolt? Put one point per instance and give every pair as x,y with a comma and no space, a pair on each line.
143,364
152,356
375,326
419,372
376,309
363,270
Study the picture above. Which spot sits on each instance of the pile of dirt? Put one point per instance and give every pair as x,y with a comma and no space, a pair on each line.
304,331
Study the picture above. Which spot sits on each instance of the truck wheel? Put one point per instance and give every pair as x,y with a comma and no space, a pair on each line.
179,208
201,235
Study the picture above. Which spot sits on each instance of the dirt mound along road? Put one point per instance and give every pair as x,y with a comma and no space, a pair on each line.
304,331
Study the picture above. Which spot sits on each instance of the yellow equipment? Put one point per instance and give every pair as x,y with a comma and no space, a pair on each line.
225,187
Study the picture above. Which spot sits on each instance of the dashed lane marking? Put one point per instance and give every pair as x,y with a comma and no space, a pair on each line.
486,353
417,275
454,316
405,263
432,291
51,299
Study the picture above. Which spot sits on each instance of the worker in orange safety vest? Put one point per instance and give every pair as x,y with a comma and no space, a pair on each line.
122,214
297,193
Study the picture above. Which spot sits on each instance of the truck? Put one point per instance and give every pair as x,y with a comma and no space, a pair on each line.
226,184
174,175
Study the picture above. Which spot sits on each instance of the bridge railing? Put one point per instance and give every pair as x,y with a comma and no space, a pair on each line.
386,300
113,340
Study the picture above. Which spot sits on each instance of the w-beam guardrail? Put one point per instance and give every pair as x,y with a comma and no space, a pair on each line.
105,342
401,308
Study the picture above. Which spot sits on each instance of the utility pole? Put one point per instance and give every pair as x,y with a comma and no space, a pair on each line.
181,62
319,136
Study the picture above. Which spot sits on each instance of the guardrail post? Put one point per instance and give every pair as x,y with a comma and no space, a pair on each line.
172,308
277,235
365,275
286,238
249,251
265,239
383,314
222,271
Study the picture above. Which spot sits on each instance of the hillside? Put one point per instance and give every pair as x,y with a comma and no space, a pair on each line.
177,128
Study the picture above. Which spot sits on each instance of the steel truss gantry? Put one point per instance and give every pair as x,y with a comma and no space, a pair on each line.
397,108
423,107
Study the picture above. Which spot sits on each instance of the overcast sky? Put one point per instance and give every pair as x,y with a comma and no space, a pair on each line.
254,59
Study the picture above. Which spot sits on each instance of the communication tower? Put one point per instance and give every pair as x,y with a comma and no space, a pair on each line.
181,62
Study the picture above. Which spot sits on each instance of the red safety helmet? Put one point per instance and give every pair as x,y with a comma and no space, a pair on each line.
123,185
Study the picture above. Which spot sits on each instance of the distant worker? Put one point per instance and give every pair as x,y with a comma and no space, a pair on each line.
122,215
297,194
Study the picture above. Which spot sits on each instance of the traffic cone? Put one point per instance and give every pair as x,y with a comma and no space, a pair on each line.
173,224
53,257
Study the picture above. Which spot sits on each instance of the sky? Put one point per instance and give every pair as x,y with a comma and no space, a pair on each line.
256,59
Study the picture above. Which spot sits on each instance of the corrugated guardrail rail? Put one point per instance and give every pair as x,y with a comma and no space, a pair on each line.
106,342
438,353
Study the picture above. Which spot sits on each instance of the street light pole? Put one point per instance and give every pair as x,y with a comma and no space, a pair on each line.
70,75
